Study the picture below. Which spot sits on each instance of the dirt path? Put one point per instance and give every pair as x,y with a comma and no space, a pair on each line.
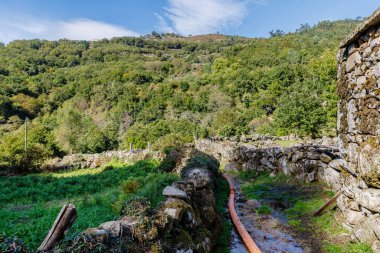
270,232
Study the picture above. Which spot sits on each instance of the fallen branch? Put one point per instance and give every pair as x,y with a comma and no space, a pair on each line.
61,225
328,203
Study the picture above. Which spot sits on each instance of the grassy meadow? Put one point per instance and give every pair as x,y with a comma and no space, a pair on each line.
29,204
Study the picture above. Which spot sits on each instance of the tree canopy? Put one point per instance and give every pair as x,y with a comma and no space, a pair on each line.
94,96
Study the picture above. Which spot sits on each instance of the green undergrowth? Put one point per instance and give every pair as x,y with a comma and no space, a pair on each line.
29,204
264,209
299,200
221,196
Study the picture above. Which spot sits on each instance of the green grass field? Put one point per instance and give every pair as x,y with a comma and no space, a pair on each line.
29,204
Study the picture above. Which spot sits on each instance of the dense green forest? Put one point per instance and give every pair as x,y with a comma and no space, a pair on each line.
86,97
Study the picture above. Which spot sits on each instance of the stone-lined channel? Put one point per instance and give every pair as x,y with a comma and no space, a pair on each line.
270,232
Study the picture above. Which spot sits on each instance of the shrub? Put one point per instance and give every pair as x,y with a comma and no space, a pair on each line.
130,186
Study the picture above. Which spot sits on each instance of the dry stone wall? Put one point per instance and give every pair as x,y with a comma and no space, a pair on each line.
359,203
186,222
83,161
359,130
302,161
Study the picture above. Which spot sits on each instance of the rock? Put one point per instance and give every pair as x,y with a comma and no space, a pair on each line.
369,198
375,225
112,227
185,186
184,251
376,247
351,110
342,203
283,165
173,213
311,177
243,138
332,178
369,163
200,177
312,165
129,222
230,167
173,192
352,60
98,235
363,232
376,70
267,163
375,43
353,217
361,80
325,158
297,155
353,205
338,164
313,155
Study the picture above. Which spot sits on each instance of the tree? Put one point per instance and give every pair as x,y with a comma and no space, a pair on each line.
276,33
6,108
77,133
300,112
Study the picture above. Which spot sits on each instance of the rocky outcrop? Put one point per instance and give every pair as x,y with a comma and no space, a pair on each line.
187,221
359,130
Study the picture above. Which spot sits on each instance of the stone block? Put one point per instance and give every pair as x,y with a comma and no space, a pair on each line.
352,61
173,192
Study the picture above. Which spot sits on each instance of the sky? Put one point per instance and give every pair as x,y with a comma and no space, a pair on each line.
97,19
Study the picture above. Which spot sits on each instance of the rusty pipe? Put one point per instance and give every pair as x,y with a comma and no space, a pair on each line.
247,239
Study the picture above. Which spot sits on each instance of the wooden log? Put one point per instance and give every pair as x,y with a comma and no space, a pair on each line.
327,204
61,225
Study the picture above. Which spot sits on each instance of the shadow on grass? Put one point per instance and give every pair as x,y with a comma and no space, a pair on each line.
29,204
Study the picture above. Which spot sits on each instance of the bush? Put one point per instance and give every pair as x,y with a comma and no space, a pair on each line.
129,186
13,153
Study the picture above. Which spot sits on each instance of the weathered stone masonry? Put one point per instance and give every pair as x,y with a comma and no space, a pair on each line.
359,130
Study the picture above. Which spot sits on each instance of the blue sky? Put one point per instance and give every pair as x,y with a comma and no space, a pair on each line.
96,19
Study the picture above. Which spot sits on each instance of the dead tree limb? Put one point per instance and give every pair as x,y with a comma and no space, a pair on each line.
328,203
61,225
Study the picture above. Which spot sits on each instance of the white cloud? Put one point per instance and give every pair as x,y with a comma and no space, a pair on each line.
163,25
205,16
15,27
87,29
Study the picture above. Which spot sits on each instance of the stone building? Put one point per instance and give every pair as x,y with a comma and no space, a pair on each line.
359,130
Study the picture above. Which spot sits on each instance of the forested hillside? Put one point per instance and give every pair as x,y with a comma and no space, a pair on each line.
86,97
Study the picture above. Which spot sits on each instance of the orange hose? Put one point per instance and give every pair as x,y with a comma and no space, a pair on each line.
247,239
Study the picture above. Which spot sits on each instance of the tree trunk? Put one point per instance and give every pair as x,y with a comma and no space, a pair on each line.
62,224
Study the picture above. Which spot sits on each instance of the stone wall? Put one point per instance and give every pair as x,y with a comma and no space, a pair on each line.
302,161
359,203
83,161
187,221
359,129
